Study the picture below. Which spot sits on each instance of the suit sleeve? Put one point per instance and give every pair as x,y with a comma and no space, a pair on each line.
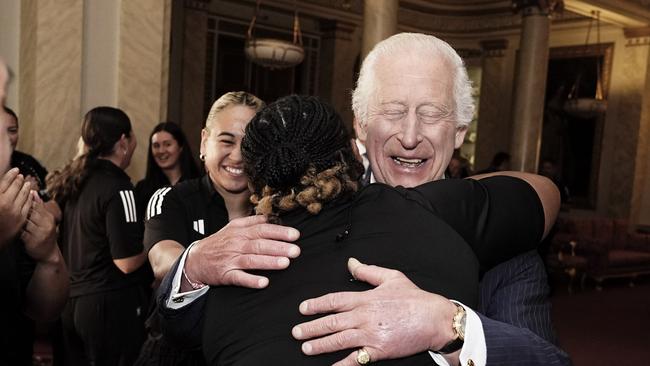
515,311
183,327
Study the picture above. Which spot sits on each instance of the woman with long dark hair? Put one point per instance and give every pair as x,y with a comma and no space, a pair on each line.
101,241
169,161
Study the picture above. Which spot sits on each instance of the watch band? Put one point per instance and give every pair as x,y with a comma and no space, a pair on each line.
458,325
452,346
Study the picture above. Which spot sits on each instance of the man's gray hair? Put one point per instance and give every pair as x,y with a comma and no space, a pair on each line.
414,45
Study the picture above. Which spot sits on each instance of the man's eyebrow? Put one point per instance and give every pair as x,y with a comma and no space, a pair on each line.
392,102
225,133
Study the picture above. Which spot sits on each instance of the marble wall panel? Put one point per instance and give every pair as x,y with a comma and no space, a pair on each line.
622,125
50,75
640,210
142,70
494,114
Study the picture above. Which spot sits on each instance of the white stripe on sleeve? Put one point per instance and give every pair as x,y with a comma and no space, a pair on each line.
155,203
125,205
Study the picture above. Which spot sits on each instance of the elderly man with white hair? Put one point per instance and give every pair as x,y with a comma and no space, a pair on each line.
412,106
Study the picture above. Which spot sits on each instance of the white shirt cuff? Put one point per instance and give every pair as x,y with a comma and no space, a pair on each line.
176,299
474,347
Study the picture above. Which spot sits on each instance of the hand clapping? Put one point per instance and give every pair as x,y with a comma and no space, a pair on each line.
15,204
39,235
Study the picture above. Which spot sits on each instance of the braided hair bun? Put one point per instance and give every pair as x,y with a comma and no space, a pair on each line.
290,144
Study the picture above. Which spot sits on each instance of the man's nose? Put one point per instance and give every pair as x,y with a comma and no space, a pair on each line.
410,136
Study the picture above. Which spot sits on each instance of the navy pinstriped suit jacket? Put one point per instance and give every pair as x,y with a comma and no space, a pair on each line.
515,310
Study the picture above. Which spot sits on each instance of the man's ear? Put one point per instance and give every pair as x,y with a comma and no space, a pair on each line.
360,130
355,150
460,136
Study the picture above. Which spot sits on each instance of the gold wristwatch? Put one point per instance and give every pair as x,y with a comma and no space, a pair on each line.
458,325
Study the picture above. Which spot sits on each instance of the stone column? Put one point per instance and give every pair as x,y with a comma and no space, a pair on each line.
50,79
338,54
379,22
530,87
493,128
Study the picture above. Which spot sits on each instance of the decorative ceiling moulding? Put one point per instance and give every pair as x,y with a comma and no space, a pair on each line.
528,7
494,47
457,24
637,36
467,8
502,24
623,13
318,9
197,4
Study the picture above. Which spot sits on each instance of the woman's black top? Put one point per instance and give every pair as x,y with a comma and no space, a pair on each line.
145,189
185,213
17,337
439,235
100,225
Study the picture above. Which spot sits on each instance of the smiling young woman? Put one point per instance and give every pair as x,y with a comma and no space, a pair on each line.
169,161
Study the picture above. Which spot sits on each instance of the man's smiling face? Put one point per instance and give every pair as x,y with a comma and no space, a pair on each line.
411,129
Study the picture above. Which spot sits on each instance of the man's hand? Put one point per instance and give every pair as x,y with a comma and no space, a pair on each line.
247,243
15,203
39,234
396,319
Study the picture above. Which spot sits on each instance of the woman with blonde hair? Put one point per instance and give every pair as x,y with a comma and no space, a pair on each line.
196,208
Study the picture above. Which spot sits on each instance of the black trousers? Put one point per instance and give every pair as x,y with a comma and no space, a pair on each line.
104,328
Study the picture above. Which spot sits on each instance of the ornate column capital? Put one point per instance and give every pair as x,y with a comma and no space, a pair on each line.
537,7
494,47
637,36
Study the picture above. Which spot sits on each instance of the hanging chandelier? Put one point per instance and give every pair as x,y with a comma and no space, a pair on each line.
271,52
588,107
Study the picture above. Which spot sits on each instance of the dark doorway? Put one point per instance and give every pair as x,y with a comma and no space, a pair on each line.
574,142
229,69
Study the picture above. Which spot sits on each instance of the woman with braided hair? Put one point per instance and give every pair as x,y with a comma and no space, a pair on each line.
101,241
303,172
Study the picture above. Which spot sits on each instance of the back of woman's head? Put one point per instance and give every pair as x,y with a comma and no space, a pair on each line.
188,167
101,129
297,152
